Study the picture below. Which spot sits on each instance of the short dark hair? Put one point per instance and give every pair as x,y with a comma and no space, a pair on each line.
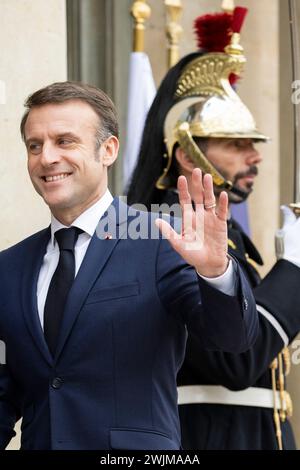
202,143
60,92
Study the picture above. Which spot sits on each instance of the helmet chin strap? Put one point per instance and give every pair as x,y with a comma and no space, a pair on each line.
187,143
240,193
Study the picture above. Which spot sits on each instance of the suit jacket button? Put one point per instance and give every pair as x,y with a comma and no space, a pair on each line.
245,303
57,383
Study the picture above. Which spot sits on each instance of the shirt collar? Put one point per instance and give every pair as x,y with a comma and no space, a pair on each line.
88,220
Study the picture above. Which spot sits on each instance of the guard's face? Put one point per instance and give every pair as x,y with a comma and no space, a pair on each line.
236,160
64,164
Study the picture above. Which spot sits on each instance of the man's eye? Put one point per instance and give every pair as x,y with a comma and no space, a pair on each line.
64,142
239,144
35,148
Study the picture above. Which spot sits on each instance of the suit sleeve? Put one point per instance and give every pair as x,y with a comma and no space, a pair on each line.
219,321
279,322
9,407
279,294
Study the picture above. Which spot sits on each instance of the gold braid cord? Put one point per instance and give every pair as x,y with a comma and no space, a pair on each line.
280,368
274,367
287,360
282,412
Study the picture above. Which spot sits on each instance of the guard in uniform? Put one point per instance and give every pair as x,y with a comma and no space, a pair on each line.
226,401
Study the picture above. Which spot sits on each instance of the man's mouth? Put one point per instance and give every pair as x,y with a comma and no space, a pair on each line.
249,176
57,177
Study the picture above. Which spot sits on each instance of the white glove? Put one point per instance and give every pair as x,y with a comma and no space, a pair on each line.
287,239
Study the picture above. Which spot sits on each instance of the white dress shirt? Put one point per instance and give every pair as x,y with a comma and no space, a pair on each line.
87,222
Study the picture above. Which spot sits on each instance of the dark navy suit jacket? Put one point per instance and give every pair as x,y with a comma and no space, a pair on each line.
112,383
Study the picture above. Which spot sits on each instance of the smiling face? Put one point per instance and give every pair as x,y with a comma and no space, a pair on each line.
65,165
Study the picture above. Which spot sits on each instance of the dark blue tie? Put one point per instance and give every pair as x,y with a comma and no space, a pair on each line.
60,285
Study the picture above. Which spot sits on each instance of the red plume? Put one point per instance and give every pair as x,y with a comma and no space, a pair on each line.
213,31
239,15
238,19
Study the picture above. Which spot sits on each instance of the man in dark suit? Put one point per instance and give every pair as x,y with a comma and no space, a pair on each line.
94,321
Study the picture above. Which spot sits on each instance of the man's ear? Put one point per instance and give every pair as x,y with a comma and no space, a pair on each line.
108,151
185,162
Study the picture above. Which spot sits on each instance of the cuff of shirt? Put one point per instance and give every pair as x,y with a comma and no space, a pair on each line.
225,283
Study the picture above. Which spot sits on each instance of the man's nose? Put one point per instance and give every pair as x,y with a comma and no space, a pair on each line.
253,157
49,155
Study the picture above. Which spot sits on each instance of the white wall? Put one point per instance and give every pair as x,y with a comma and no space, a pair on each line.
33,54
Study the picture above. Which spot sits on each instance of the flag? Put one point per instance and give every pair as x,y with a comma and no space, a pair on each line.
141,92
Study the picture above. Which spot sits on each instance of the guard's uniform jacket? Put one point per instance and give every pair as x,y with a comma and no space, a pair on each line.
215,415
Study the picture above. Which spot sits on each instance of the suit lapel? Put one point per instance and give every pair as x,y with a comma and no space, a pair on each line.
29,292
97,255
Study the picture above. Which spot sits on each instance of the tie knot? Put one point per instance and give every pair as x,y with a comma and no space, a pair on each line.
67,237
